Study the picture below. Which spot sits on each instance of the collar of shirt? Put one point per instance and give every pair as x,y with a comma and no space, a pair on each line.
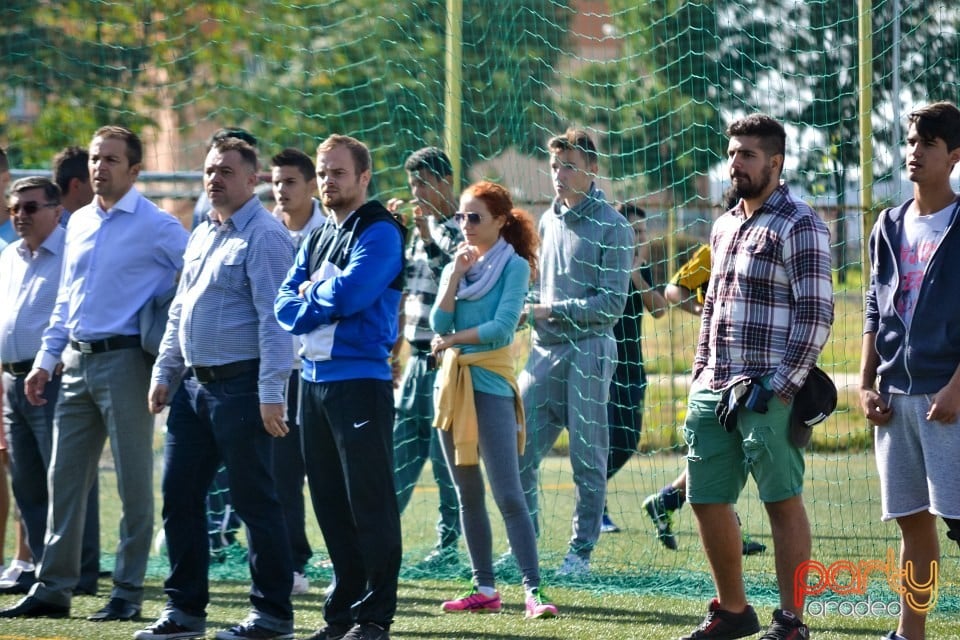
773,204
242,216
52,244
126,204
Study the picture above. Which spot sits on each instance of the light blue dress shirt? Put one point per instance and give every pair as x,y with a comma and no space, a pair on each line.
28,291
115,261
223,310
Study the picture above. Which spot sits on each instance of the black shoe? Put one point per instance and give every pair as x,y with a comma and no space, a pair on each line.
720,624
167,629
22,586
329,632
786,626
117,609
752,547
367,631
31,607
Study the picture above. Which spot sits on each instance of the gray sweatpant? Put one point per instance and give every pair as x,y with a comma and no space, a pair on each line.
568,385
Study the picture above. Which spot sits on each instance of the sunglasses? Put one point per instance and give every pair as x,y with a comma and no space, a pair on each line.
469,216
29,208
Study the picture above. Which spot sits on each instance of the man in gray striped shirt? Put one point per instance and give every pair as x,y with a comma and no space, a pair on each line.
222,333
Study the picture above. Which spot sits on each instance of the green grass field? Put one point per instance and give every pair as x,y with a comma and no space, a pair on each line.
639,589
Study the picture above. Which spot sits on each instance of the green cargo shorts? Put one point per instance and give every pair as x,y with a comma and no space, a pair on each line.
718,462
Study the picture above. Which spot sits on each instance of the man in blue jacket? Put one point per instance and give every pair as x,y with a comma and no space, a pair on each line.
911,342
342,297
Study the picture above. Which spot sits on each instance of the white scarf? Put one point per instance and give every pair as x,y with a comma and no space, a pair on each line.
480,278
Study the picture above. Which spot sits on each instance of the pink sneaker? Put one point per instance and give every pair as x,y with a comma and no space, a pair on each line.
473,602
539,605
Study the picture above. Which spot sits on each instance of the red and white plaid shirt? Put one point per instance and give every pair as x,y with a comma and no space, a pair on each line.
769,304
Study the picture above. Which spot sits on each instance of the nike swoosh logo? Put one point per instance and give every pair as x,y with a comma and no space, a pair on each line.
357,425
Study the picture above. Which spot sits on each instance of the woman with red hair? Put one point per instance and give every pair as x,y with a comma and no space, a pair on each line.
479,410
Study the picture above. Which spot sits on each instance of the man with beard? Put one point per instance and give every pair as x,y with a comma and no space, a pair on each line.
342,297
766,316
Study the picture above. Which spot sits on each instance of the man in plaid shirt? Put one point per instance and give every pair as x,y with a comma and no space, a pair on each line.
435,240
766,316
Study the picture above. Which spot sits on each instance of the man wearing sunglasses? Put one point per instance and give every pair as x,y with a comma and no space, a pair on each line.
122,250
585,262
29,276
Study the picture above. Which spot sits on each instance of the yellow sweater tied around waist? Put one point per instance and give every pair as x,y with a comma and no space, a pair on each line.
456,408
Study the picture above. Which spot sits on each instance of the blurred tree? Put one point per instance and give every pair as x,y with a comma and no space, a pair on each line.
292,72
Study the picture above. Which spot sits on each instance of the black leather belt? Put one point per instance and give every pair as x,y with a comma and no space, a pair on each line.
21,368
206,375
107,344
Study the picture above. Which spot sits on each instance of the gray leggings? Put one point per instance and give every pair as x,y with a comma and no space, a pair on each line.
498,450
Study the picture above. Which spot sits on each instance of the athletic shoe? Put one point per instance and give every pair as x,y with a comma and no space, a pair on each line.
574,566
250,630
329,632
367,631
662,520
473,602
893,635
167,629
724,625
539,605
439,558
608,526
786,626
301,584
751,547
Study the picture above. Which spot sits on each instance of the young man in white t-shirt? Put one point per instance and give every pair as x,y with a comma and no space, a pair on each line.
910,364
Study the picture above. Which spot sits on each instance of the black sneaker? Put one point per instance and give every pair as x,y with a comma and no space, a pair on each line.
329,632
720,624
662,519
367,631
786,626
167,629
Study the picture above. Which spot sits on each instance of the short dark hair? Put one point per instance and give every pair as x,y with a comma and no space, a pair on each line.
433,159
574,139
631,210
773,137
234,132
50,190
70,163
291,157
361,154
132,141
248,153
938,120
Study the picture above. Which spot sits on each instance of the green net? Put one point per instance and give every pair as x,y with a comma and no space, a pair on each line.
655,83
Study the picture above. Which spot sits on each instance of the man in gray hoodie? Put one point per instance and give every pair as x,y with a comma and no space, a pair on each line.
586,254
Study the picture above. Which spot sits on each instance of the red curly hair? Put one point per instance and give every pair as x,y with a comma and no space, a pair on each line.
518,227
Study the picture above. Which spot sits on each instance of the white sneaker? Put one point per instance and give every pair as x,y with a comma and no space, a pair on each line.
11,574
301,584
574,566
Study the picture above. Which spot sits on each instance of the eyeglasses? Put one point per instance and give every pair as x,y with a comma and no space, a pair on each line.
469,216
30,208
